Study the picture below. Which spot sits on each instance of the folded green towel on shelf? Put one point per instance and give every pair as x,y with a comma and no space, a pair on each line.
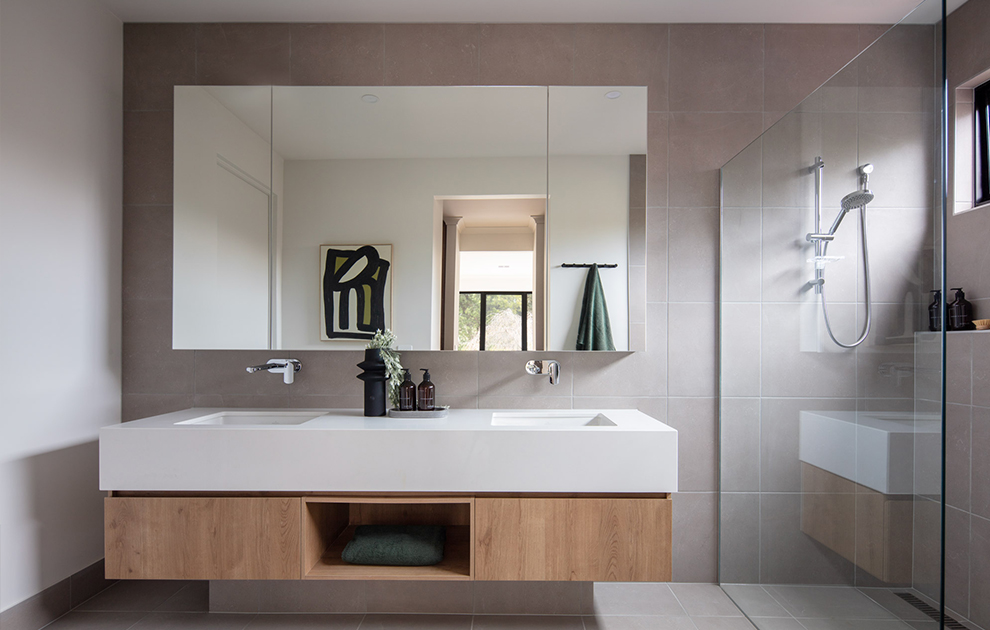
396,545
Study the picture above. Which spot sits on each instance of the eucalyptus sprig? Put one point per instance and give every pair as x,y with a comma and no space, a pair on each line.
384,340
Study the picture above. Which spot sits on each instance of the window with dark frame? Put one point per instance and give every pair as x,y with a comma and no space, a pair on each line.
478,311
981,144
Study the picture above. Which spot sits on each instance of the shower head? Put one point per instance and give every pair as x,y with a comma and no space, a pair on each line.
856,199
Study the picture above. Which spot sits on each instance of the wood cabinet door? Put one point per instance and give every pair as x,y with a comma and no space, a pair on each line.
202,538
600,539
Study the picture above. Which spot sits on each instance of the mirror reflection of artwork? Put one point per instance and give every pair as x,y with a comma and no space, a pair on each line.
355,291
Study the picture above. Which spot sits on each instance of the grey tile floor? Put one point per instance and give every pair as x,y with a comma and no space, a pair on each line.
788,607
154,605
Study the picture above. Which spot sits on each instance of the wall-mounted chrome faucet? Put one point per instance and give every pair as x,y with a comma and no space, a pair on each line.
544,367
286,367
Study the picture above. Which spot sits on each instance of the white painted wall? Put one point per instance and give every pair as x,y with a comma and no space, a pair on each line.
587,221
355,202
60,262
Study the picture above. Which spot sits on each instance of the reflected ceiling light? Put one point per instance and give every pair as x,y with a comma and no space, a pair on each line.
369,98
614,94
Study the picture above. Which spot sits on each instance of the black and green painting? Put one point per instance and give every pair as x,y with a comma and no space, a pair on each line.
355,289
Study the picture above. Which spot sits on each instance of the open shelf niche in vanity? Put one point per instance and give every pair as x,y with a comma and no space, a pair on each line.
329,522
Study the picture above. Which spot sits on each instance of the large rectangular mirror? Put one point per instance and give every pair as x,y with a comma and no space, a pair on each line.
459,217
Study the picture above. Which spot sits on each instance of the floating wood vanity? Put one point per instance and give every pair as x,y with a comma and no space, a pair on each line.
275,495
604,538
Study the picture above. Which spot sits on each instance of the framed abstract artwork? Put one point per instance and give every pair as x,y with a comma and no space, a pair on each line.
355,291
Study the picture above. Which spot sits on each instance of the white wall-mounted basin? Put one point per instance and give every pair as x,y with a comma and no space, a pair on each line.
888,451
248,418
550,419
279,450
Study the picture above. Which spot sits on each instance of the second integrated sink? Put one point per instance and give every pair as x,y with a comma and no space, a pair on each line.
566,418
260,418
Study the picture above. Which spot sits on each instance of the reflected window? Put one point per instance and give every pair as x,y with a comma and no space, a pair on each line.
495,320
981,143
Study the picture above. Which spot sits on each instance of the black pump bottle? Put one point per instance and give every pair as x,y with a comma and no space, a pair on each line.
426,398
935,312
407,394
960,313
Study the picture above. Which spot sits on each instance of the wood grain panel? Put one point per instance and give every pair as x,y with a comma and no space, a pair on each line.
162,538
260,539
411,514
202,538
603,540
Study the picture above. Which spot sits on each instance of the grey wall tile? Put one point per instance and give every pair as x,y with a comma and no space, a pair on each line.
959,368
693,254
699,144
432,54
623,54
148,363
337,54
740,266
980,472
504,374
958,555
224,372
243,54
801,57
695,529
656,255
979,610
739,363
902,144
533,598
148,157
739,439
805,362
691,350
157,57
742,178
901,58
420,597
779,439
657,164
526,54
739,562
137,406
708,62
697,435
958,444
965,27
147,252
788,556
981,368
327,374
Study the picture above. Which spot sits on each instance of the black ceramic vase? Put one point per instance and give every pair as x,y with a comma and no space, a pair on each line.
374,376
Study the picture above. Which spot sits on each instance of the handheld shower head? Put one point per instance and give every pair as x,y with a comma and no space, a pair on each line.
856,199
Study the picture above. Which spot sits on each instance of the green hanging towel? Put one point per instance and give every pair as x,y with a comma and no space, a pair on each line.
594,328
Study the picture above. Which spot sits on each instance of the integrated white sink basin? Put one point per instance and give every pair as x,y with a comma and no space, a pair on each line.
340,450
550,419
887,451
247,418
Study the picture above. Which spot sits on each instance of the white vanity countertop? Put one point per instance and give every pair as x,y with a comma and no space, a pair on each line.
343,451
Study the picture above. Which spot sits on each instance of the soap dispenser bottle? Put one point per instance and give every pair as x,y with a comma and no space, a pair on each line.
407,393
426,399
960,313
935,311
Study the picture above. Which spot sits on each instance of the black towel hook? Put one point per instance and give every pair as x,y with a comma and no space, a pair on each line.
600,265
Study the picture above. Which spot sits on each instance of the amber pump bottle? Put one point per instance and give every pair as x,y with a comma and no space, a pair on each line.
407,394
426,399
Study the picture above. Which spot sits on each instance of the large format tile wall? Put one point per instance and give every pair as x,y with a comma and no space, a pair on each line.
967,526
777,359
713,89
